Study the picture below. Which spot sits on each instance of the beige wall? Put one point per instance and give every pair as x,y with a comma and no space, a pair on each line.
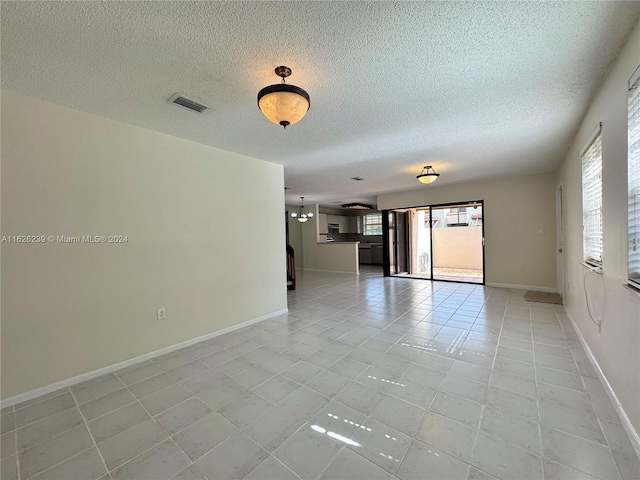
337,256
617,346
295,234
203,241
515,210
459,247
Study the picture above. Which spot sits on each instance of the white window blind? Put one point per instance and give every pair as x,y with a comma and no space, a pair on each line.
592,201
373,224
634,181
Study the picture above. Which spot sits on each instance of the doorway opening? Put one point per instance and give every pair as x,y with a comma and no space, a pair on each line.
436,242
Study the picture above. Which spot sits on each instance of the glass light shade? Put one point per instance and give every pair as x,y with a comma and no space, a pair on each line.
427,178
428,175
294,214
283,104
302,218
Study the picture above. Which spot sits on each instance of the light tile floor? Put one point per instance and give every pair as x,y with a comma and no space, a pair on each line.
366,378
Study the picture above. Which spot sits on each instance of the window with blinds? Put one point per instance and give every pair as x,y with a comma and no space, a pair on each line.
592,201
373,224
634,180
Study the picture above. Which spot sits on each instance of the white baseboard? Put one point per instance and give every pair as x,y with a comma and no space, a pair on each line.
329,271
22,397
626,423
522,287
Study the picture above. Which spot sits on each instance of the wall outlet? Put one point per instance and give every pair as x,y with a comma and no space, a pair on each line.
162,314
521,267
540,232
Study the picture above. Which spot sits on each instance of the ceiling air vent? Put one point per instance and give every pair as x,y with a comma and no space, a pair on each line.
187,102
357,179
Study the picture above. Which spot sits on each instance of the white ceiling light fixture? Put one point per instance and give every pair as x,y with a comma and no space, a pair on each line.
302,217
281,103
428,175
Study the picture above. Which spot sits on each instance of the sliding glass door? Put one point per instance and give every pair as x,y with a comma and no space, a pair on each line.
439,242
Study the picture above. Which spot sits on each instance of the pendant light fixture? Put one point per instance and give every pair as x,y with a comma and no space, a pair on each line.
282,103
428,175
302,217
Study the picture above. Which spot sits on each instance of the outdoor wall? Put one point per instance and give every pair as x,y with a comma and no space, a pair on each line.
515,211
617,346
202,242
457,247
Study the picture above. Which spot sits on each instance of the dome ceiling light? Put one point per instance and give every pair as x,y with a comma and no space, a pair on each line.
282,103
302,217
428,175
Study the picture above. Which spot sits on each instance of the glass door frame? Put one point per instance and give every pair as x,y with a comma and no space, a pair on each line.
387,229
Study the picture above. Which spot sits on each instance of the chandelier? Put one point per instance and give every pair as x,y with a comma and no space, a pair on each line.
282,103
302,217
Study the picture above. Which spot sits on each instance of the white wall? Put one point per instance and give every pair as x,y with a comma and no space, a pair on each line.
617,346
515,210
204,241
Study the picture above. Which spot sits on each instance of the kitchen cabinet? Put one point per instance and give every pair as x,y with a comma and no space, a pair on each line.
364,253
323,227
344,226
355,224
333,220
376,254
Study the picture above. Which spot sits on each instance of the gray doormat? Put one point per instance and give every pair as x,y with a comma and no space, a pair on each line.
543,297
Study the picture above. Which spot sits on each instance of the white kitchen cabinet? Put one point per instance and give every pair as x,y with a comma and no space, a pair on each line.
355,224
323,227
333,220
344,226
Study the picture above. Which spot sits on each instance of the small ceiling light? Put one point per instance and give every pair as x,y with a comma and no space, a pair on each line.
428,175
302,217
282,103
357,206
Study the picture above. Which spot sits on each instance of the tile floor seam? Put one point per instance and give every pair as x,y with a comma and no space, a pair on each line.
93,440
475,440
60,463
15,446
168,437
48,438
319,476
535,376
16,410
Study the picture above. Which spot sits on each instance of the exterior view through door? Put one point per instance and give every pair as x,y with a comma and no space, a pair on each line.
436,242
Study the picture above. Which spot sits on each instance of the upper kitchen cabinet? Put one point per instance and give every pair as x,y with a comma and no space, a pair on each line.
343,225
355,224
334,221
323,227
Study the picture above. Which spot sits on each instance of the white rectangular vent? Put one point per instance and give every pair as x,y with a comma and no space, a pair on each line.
189,103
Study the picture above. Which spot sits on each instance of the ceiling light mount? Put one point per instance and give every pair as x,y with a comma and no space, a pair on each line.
302,217
428,175
283,72
282,103
357,206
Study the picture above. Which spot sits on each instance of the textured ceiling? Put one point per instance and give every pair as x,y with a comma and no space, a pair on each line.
476,89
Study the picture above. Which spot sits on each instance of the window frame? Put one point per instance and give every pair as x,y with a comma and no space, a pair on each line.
633,176
366,226
592,229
